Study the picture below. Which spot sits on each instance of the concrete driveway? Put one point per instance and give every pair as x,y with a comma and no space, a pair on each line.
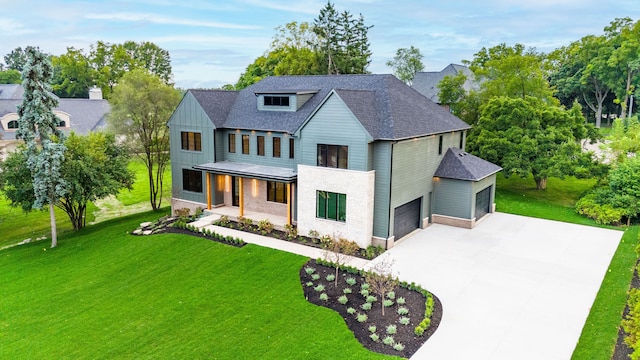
512,288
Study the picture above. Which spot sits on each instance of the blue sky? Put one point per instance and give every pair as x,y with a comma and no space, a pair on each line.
212,42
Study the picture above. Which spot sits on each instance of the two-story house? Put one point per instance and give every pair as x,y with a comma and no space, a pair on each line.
365,157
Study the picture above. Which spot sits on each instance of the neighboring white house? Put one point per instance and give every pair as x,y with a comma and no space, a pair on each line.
78,115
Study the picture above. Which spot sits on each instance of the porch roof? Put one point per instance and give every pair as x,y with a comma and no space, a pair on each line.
252,171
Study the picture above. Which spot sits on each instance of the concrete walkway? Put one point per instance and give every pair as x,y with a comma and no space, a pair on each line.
512,288
269,242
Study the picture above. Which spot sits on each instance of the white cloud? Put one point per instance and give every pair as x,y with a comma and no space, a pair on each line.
164,20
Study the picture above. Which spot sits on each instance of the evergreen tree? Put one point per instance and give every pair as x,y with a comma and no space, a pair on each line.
37,126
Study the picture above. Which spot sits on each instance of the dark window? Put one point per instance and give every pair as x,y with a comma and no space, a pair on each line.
276,101
276,192
62,123
292,145
276,147
245,144
334,156
461,140
232,143
440,145
332,206
260,145
192,180
191,141
13,124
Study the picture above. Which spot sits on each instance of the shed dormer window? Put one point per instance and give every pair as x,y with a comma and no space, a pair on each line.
276,101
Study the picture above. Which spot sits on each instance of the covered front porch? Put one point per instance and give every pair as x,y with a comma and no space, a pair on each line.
250,191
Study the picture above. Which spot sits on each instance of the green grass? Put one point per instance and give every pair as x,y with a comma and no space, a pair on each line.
140,191
15,225
104,294
519,196
600,333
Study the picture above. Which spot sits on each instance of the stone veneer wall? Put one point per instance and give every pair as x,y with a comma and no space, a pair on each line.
181,204
359,188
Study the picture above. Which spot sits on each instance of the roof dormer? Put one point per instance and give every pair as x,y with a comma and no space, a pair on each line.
283,100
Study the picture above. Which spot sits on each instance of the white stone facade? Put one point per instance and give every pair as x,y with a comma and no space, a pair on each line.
359,188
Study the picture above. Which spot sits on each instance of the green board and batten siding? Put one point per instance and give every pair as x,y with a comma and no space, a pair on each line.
189,116
453,198
253,157
323,127
414,162
380,156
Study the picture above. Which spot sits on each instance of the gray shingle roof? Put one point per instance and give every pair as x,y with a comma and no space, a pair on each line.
11,91
216,104
427,82
85,115
385,106
457,164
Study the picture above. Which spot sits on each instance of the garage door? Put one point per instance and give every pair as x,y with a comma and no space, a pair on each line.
406,218
483,202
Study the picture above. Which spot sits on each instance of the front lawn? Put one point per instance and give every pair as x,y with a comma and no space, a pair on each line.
106,294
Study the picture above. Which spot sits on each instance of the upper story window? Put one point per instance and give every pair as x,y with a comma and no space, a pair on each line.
334,156
276,147
245,144
292,147
13,124
62,123
461,140
260,145
276,100
440,140
190,141
232,143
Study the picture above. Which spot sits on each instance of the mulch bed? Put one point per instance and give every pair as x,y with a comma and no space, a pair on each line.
415,303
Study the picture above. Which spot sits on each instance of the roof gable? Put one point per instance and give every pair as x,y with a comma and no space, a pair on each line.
459,165
215,103
427,82
386,107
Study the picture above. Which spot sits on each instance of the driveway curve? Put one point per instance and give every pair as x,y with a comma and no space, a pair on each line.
513,287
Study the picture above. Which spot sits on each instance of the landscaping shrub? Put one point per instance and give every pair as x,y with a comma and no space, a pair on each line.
265,226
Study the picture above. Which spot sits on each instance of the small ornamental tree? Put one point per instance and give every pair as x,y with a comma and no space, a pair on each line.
339,252
37,126
381,278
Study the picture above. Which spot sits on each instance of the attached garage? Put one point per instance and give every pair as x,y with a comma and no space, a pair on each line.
406,218
463,188
483,202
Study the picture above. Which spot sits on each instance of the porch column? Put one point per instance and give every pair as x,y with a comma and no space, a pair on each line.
288,203
208,191
241,196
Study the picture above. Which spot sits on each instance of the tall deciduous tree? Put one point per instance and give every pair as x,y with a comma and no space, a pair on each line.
10,76
111,61
73,74
527,136
16,59
406,63
142,105
625,59
94,167
581,73
512,72
37,126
